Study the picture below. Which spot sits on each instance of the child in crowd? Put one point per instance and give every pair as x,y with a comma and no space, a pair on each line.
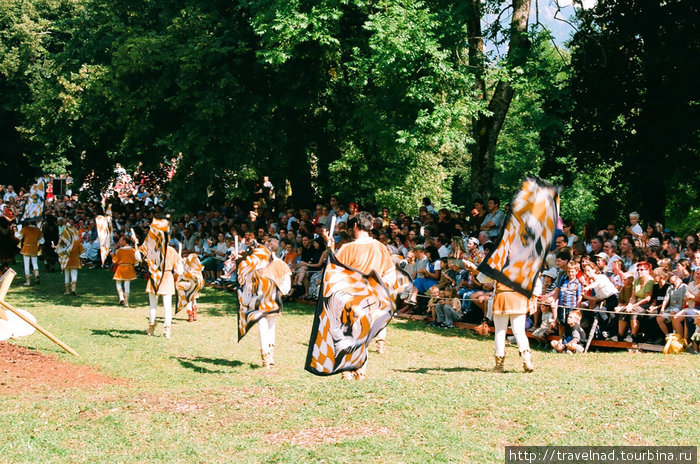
449,308
570,295
547,323
574,337
435,295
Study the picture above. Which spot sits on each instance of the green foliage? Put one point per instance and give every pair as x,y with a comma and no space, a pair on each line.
634,67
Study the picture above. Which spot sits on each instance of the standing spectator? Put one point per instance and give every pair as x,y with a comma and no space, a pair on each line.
570,294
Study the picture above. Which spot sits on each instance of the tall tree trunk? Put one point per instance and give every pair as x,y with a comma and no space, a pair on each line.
487,127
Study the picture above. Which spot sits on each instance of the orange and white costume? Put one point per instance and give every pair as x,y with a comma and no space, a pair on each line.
31,237
162,262
124,259
69,249
365,255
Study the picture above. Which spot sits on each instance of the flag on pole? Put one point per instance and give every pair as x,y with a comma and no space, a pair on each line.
262,280
104,234
352,309
528,233
154,249
69,239
34,206
190,282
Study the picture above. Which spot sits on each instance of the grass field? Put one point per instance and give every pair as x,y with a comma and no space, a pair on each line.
202,397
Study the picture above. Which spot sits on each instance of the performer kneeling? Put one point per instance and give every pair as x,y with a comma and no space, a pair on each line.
124,259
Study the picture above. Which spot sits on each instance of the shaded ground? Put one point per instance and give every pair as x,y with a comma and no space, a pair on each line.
25,370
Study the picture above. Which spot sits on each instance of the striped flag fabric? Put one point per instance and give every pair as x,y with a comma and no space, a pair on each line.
352,309
528,233
34,206
190,282
262,280
69,238
104,235
154,249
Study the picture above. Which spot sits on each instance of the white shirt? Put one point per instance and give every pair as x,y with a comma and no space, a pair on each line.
603,287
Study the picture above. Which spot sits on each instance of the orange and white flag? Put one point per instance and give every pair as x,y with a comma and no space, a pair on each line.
528,233
352,309
262,280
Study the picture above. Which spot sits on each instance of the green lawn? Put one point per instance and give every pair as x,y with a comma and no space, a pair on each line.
202,397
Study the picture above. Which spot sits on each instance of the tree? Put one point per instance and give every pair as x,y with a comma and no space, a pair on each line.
487,125
635,111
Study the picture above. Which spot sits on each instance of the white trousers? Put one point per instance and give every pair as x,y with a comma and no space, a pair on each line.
167,306
127,286
71,275
266,327
517,323
33,260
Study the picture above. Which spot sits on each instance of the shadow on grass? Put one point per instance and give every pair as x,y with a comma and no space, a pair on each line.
116,333
198,364
426,370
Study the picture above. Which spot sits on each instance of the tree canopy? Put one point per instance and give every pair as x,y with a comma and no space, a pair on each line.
381,102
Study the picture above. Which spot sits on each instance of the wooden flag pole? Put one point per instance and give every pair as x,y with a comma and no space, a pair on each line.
39,328
7,278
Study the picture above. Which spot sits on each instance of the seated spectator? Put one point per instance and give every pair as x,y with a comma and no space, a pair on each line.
574,338
435,296
428,276
448,309
672,304
604,295
639,302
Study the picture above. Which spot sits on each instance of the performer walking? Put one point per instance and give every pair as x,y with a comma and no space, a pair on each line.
162,260
124,260
263,279
365,255
31,237
69,250
516,262
509,305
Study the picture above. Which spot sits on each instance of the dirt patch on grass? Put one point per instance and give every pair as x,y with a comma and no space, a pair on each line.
320,435
24,370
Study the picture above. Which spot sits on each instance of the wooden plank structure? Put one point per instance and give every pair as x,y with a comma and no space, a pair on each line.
5,282
596,343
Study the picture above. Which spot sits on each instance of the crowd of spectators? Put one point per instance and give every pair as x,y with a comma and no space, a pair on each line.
638,283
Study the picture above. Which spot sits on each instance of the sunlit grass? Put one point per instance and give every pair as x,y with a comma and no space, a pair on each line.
202,397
